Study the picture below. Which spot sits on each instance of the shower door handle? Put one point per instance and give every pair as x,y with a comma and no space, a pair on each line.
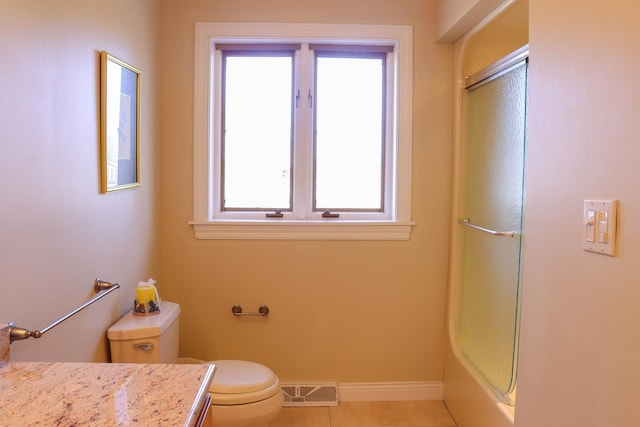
467,223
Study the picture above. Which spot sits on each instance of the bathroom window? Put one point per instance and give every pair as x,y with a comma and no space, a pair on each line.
305,136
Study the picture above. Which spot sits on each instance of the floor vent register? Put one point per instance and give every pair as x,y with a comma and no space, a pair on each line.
325,394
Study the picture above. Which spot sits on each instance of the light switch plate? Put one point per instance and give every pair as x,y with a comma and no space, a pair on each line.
600,226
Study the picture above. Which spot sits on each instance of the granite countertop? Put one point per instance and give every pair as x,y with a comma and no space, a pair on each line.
100,394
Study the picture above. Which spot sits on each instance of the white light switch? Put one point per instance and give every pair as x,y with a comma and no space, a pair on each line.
603,225
600,226
590,225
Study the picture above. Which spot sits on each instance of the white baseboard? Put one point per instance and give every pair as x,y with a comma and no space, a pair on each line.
413,390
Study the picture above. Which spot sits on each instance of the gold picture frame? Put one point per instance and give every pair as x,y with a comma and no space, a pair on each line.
119,124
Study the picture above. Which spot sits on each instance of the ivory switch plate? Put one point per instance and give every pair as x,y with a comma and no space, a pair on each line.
600,226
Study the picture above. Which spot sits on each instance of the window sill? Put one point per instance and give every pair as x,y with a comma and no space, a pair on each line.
301,230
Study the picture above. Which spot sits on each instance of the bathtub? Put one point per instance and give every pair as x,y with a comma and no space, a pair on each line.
469,398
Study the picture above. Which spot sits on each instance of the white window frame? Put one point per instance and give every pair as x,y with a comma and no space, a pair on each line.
208,226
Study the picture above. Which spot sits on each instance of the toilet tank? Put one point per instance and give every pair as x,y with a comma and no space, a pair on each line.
146,339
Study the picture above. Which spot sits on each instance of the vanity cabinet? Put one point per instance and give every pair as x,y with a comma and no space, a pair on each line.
101,394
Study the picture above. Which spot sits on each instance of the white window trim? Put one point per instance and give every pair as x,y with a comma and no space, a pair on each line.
206,227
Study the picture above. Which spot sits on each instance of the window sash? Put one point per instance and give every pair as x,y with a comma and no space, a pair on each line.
252,51
349,52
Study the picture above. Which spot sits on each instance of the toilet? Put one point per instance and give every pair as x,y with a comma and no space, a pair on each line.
243,393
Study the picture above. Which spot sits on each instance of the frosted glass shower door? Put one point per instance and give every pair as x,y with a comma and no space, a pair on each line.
489,310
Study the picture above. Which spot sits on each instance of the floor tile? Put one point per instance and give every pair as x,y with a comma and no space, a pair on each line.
367,414
302,417
420,413
358,414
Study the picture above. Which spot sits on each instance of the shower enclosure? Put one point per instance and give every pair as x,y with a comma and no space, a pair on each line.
485,280
493,205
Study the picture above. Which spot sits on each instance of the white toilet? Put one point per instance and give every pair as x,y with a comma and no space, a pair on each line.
243,394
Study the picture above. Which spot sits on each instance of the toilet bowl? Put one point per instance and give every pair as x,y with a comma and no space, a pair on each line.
243,393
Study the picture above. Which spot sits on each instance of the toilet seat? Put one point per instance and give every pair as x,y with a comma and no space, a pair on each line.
238,382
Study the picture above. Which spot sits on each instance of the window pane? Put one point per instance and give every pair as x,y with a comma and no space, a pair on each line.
349,132
257,138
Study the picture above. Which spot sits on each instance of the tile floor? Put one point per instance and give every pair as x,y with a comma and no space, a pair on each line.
423,413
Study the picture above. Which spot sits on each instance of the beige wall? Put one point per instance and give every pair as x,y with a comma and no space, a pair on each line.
579,361
578,345
506,31
456,17
345,311
57,233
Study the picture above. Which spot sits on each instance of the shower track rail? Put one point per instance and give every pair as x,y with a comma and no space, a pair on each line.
467,223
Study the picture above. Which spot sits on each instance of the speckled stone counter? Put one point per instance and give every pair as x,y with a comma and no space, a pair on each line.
5,329
102,394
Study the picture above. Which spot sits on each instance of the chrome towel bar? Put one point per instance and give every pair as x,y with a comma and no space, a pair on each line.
262,311
467,223
101,287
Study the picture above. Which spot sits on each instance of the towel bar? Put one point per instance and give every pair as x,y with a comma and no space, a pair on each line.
101,287
467,222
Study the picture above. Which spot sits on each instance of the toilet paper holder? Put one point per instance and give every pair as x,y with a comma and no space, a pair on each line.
262,311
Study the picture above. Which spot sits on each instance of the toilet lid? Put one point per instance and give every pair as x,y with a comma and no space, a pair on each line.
240,381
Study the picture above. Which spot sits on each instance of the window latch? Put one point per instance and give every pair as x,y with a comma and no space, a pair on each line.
328,214
277,214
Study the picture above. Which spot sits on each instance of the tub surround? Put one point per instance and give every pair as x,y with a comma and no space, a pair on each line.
51,393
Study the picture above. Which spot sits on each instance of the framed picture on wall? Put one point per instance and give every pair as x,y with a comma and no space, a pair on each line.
119,124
